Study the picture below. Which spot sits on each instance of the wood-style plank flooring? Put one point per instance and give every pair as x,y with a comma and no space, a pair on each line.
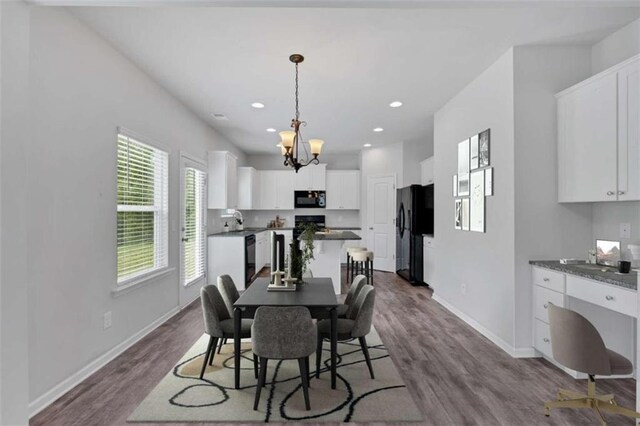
456,376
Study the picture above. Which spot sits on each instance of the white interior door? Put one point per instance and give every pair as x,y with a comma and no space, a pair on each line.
381,232
193,226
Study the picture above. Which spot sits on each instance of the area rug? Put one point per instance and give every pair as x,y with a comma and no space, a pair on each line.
182,397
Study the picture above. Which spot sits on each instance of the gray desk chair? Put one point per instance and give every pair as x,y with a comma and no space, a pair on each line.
283,333
230,294
357,325
352,295
219,325
576,344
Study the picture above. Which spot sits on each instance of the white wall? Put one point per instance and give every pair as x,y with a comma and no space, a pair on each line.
14,142
412,154
607,217
81,90
333,161
545,229
622,44
484,262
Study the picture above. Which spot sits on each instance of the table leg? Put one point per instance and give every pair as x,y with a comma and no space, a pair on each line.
334,345
237,317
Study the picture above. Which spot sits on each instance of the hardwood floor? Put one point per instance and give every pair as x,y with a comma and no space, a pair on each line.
455,375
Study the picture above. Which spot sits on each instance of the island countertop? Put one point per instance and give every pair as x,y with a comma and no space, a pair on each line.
257,230
336,236
592,272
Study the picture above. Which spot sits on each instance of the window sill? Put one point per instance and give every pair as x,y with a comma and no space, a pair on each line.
140,281
200,280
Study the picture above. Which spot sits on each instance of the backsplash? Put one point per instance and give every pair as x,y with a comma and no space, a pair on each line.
607,218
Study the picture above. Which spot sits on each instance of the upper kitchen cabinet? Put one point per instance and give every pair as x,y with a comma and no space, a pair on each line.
426,171
223,180
599,136
276,189
343,190
312,177
248,189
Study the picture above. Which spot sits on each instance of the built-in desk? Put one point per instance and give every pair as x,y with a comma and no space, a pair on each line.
608,299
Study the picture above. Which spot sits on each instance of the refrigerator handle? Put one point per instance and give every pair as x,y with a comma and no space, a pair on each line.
401,220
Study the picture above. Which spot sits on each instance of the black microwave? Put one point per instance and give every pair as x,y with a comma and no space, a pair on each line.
310,199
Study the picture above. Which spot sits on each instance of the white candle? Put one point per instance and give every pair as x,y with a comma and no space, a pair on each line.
277,255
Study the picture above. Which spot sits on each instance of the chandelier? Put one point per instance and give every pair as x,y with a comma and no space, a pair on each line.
292,141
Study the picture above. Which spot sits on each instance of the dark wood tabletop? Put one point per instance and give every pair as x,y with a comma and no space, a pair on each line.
316,293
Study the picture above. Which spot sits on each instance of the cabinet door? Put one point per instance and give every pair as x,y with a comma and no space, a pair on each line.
587,147
268,189
429,264
247,194
334,190
302,179
284,192
232,182
318,176
350,190
426,171
629,132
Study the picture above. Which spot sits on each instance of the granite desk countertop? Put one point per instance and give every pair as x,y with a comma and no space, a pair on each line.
252,231
592,272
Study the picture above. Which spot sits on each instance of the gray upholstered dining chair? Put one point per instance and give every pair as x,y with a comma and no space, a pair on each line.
576,344
356,326
219,325
352,295
283,333
230,294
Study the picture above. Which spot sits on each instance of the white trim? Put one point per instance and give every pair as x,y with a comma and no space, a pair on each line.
142,139
139,281
495,339
66,385
197,160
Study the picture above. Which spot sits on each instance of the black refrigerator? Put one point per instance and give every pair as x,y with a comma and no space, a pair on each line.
414,219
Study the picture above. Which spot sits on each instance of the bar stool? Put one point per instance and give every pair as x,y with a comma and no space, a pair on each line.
362,263
349,265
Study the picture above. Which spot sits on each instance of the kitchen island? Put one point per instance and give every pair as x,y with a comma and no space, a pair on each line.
327,252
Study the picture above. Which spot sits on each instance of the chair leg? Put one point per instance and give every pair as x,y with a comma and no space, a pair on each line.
365,350
318,355
304,375
306,361
348,261
212,342
213,350
222,342
614,408
261,381
255,365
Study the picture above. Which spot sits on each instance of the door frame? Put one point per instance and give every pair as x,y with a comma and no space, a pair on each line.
369,218
188,293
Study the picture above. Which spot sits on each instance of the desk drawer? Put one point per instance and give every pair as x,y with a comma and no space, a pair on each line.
542,298
550,279
609,296
542,338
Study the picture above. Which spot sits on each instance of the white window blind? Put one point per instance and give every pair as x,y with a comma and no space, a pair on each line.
143,209
194,229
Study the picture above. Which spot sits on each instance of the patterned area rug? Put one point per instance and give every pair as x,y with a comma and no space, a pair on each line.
182,397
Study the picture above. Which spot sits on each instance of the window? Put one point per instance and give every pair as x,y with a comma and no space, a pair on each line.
143,209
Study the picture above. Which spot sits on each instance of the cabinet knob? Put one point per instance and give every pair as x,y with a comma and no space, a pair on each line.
610,193
546,305
608,297
371,228
546,280
546,340
621,192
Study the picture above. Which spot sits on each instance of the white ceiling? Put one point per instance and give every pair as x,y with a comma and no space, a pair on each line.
221,59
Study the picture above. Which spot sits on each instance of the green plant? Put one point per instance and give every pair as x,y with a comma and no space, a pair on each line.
300,257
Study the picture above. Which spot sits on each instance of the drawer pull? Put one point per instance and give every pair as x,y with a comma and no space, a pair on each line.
608,297
546,280
546,340
610,193
621,192
546,305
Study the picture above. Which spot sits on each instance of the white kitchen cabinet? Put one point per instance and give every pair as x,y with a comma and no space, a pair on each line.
599,137
428,260
262,250
248,190
312,177
276,189
343,190
226,255
426,171
223,180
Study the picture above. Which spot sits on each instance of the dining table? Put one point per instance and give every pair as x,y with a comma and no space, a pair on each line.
316,294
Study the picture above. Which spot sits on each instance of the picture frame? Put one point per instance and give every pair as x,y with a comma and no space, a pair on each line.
455,185
463,185
484,148
465,214
477,205
474,151
488,182
463,157
457,221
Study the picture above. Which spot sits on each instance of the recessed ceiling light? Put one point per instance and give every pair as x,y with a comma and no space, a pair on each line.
395,104
367,145
378,129
271,130
257,105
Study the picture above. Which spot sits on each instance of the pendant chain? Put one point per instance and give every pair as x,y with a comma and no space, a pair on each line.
297,108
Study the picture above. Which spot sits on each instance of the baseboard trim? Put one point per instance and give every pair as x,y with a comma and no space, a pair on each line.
495,339
66,385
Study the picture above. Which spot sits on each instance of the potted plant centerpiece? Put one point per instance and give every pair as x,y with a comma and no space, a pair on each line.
302,250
